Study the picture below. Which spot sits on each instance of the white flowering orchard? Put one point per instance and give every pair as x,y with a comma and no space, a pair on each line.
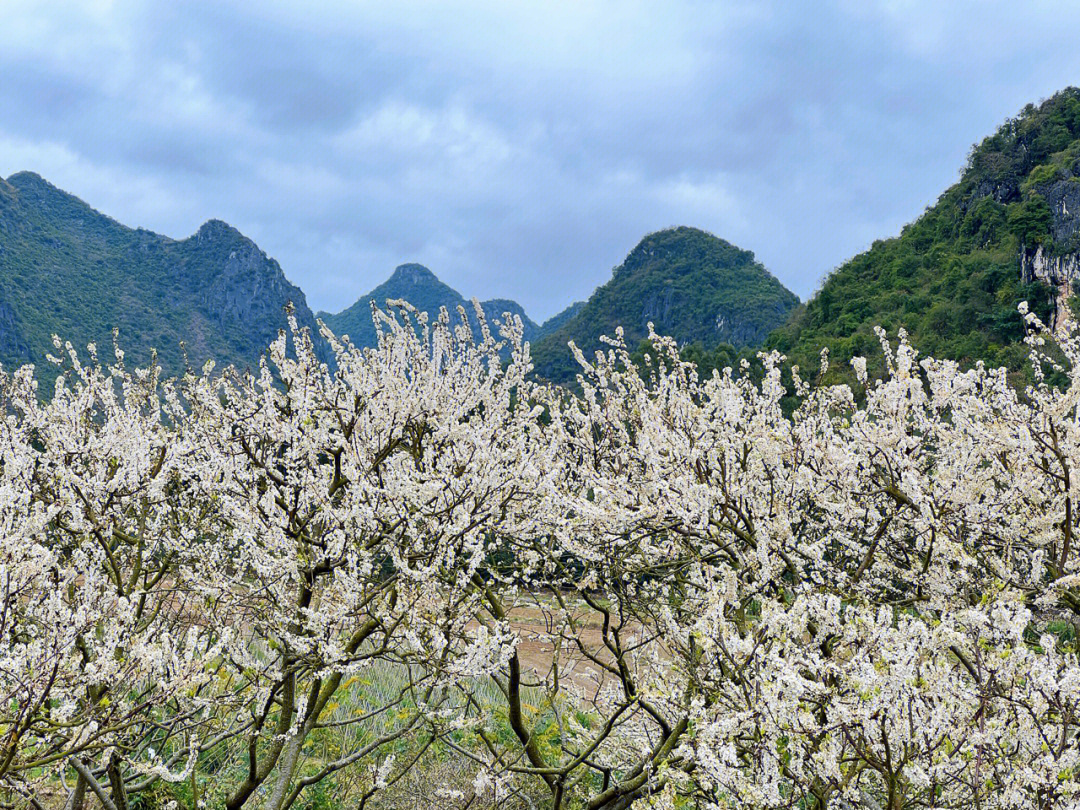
322,584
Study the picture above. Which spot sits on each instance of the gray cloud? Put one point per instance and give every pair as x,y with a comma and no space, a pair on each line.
518,149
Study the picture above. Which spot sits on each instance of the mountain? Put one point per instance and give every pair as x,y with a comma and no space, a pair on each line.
69,270
556,321
692,285
1007,232
421,288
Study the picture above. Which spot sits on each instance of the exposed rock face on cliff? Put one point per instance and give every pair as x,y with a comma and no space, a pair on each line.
1060,272
67,269
245,287
689,284
1063,198
1055,260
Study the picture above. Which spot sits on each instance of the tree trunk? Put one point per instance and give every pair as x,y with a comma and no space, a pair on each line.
77,797
116,782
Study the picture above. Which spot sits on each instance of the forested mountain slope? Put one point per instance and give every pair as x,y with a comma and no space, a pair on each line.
699,289
1007,232
69,270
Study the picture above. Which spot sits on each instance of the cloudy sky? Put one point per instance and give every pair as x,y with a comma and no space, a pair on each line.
518,149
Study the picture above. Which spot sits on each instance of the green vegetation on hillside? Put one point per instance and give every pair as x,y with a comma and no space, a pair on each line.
953,277
69,270
559,319
690,284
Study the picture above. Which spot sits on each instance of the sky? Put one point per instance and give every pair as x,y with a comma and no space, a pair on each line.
518,149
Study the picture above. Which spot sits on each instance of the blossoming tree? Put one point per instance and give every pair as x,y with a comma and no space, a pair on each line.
660,591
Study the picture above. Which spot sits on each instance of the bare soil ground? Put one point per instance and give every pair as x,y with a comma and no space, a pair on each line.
538,652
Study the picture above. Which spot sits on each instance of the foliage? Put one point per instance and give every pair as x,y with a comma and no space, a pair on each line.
952,278
689,284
